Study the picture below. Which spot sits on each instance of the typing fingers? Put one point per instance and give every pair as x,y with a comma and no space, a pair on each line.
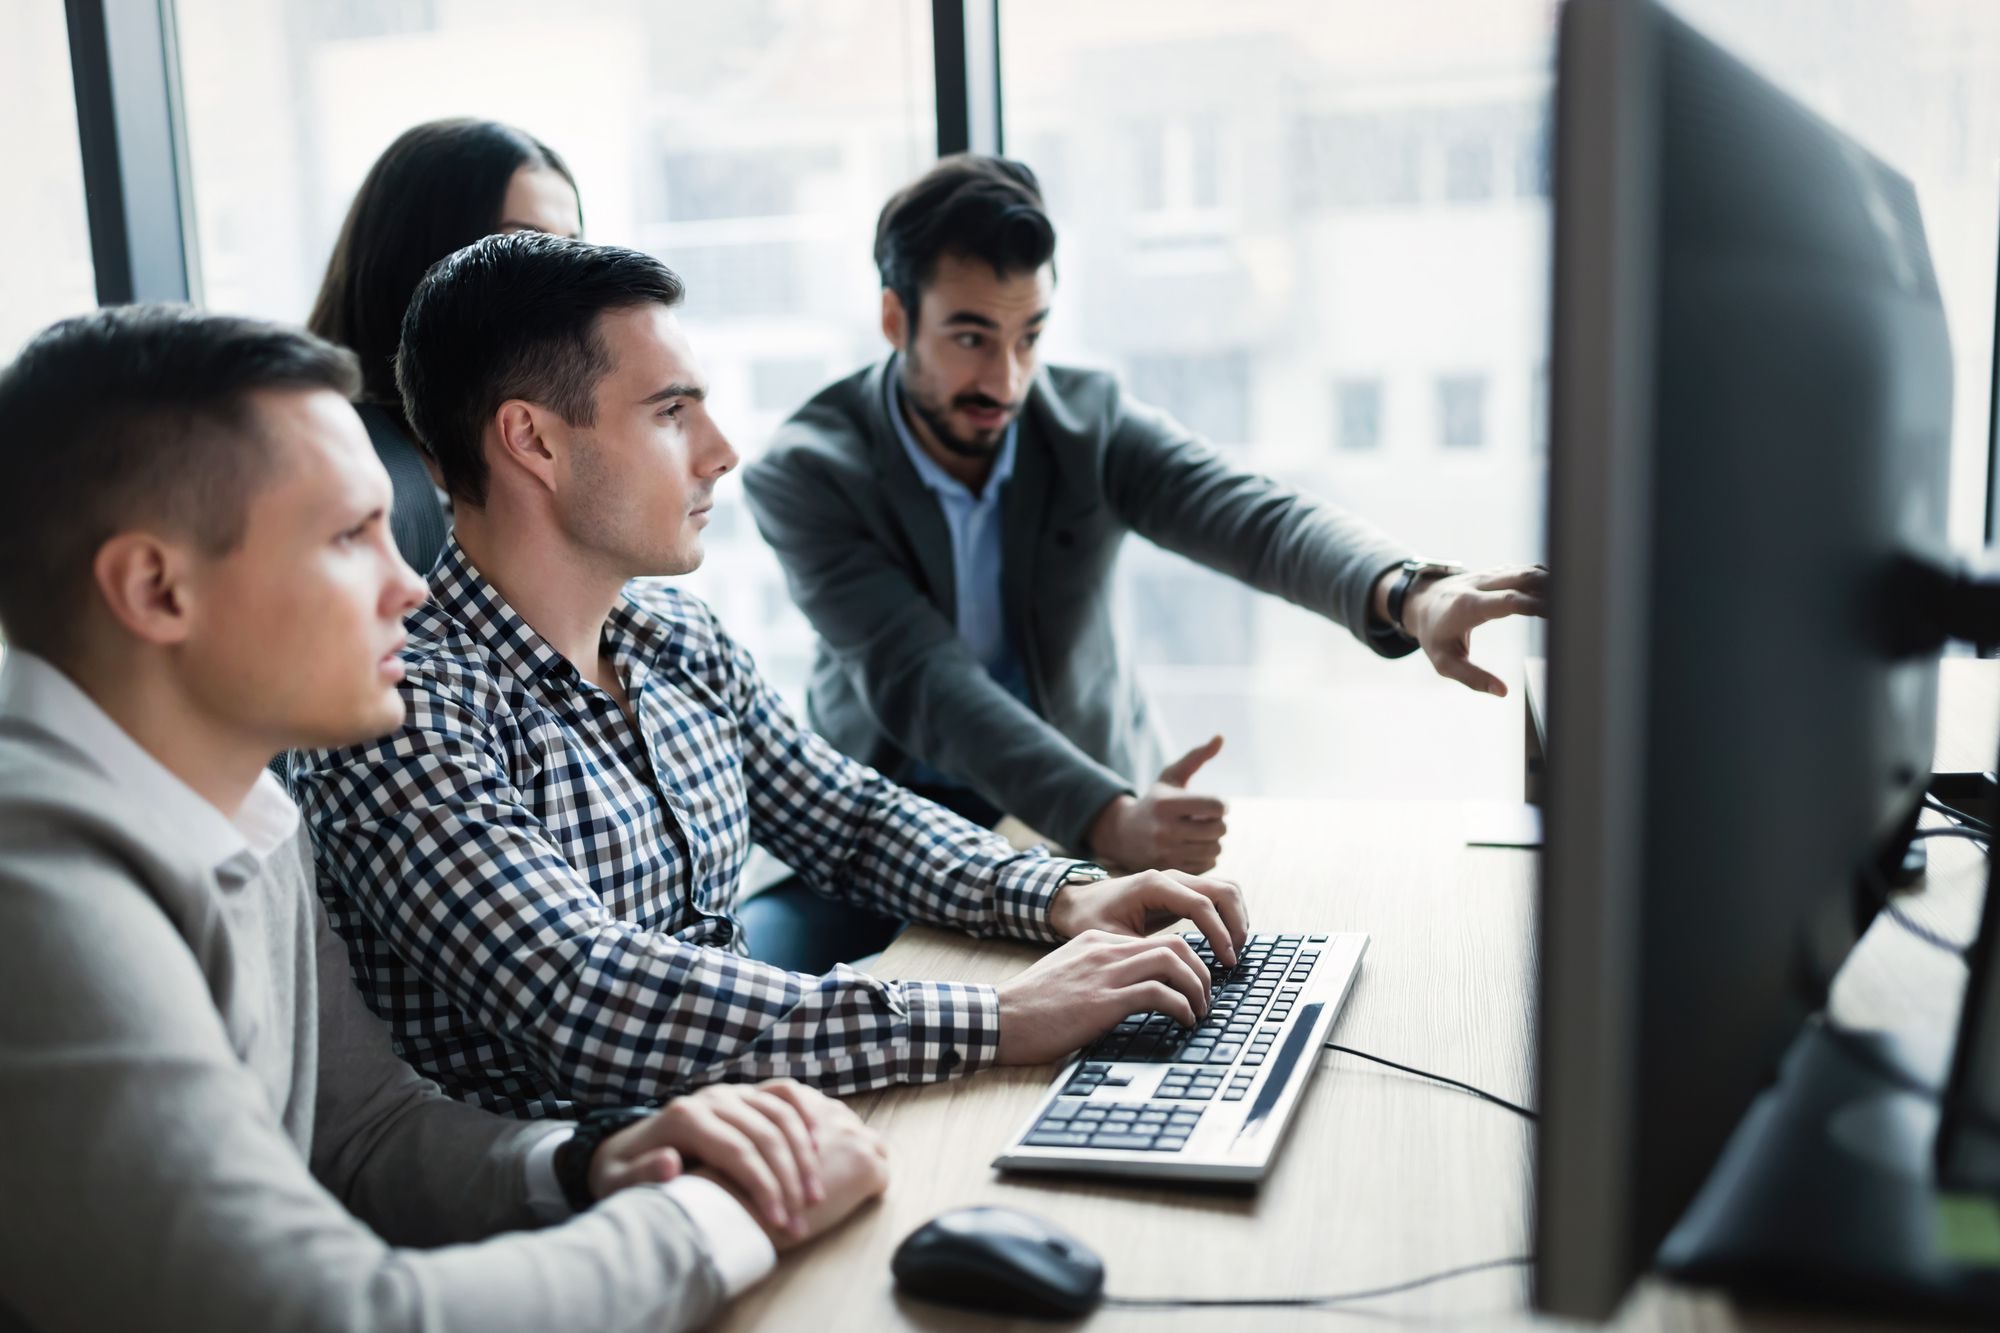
1227,896
1183,900
1168,960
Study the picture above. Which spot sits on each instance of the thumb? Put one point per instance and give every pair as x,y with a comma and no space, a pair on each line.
1183,769
649,1168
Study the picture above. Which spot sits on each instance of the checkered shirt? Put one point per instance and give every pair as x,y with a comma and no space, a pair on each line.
537,895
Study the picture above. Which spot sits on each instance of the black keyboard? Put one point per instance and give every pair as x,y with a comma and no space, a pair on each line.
1248,1007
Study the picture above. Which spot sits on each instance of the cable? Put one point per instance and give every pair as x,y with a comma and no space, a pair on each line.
1957,815
1480,1093
1337,1298
1925,933
1984,840
1885,899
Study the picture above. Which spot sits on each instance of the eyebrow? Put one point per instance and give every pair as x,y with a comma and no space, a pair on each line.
695,392
978,320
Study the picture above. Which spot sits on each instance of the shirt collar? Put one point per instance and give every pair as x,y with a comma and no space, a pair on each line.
933,474
632,635
35,691
461,592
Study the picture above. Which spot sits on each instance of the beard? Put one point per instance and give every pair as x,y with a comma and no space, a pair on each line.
933,413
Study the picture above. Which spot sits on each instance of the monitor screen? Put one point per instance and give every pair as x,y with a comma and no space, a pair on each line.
1751,383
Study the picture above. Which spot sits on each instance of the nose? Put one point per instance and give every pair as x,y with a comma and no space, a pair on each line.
718,454
1019,369
406,590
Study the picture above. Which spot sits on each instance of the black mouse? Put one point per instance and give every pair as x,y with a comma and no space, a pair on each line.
999,1261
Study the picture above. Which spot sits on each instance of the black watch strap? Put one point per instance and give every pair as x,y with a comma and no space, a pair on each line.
1413,572
572,1160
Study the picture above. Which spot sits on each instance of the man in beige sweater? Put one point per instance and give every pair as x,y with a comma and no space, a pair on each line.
205,1128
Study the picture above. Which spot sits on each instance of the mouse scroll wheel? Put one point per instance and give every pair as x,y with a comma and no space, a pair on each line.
1058,1246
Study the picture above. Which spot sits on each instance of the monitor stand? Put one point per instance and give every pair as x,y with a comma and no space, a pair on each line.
1826,1195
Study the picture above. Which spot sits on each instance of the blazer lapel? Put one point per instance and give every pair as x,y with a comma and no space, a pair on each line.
1021,523
915,508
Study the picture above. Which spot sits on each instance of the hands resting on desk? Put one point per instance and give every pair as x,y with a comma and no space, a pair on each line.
797,1160
1111,967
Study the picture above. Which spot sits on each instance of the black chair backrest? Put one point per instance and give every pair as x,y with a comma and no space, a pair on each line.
418,521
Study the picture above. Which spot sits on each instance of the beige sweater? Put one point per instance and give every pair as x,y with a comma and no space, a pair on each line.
203,1129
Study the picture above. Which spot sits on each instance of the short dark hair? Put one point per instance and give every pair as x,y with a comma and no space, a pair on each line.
970,205
440,186
513,317
130,416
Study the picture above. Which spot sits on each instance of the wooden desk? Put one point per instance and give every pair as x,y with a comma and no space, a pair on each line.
1383,1176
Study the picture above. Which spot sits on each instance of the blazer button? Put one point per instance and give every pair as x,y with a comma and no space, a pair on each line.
1065,539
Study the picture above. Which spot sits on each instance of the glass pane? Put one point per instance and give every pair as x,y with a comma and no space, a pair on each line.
747,145
45,269
1317,232
1912,80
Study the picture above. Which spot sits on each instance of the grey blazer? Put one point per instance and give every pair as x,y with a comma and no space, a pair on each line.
868,558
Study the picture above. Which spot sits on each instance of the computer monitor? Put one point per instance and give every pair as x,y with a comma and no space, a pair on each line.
1751,389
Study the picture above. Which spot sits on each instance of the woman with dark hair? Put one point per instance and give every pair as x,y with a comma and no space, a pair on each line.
438,188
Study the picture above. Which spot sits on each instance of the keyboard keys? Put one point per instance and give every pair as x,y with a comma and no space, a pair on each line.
1147,1127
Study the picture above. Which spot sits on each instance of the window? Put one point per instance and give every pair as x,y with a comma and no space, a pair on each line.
1357,413
1209,393
1352,185
1468,165
1461,407
45,268
748,146
781,384
1900,76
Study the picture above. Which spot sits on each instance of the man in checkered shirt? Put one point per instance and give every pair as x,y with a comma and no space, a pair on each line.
536,877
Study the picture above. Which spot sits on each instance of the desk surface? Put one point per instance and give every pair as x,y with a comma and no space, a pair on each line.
1383,1176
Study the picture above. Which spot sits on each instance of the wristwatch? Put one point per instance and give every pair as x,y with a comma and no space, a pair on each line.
572,1160
1413,573
1083,872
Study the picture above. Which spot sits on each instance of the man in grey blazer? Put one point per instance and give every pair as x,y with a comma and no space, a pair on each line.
205,1129
949,519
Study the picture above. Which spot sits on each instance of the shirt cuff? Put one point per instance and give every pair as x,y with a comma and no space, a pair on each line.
545,1194
1025,894
954,1029
742,1253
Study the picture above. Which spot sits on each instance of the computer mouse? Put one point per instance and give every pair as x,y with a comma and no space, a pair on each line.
1000,1261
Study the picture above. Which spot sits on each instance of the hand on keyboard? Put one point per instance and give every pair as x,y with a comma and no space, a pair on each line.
1083,988
1140,904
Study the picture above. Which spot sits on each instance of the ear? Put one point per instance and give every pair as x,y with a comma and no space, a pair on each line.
895,320
524,438
145,583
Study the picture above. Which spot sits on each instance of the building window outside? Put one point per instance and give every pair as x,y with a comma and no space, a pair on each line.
1461,406
1357,409
1208,393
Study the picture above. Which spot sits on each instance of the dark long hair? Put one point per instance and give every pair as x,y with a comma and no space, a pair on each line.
434,191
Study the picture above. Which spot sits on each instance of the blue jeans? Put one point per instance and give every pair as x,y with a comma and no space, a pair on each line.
792,927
